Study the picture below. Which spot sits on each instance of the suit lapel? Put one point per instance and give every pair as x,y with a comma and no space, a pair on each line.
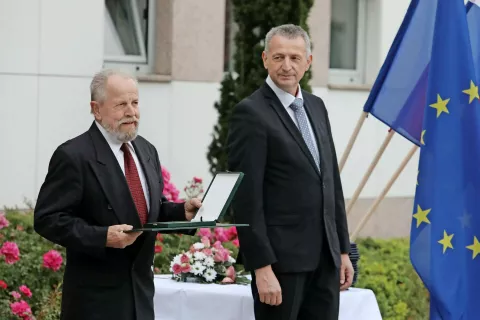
112,180
289,124
150,175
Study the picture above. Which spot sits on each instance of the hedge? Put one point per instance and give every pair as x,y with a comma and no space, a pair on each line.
384,267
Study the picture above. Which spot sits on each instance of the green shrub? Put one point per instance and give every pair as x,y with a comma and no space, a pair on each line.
385,268
28,270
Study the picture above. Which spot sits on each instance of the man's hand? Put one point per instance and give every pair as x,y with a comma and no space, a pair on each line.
268,287
191,207
116,238
346,273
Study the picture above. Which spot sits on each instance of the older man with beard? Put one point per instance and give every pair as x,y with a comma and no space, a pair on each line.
100,184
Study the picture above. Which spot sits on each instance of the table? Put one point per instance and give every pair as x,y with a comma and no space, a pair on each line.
185,301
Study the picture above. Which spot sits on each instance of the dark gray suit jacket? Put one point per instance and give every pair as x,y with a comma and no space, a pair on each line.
291,208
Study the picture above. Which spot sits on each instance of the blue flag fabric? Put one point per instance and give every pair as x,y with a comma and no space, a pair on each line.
398,95
445,232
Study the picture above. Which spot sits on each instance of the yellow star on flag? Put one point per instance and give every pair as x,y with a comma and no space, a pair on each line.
475,247
440,105
472,92
421,138
421,215
446,241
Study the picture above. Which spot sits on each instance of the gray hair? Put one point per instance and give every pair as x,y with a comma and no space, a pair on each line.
289,31
99,82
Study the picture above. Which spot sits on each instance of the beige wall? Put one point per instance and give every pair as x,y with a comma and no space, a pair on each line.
190,40
319,29
392,219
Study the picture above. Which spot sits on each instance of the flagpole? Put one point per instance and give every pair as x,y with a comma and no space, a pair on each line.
353,137
384,193
367,175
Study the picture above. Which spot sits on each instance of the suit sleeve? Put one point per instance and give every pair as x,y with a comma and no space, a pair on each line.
56,215
247,153
340,213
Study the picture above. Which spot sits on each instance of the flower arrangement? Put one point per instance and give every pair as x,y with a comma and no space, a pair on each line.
206,263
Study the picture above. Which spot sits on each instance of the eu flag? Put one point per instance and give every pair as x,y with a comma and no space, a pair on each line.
445,232
398,96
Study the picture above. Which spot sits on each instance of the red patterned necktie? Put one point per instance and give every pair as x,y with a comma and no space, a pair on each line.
134,183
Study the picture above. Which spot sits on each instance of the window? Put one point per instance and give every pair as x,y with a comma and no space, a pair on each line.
347,42
128,38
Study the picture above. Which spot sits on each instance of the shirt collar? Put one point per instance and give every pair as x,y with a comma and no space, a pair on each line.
285,98
112,141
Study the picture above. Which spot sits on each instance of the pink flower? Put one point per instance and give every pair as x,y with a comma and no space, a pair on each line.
186,267
176,268
197,180
16,295
165,174
10,251
160,237
218,245
221,255
205,232
25,290
158,249
52,260
3,221
231,273
206,242
227,280
231,233
236,243
21,309
3,284
208,252
184,259
221,234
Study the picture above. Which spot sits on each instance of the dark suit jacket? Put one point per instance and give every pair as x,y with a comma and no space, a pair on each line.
289,205
84,192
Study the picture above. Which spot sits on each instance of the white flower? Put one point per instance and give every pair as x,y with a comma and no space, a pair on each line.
199,255
209,262
176,259
231,259
198,268
210,274
198,246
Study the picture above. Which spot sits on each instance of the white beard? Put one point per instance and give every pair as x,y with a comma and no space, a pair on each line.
119,135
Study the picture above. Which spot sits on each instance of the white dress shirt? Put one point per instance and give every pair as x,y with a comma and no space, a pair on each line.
115,145
287,99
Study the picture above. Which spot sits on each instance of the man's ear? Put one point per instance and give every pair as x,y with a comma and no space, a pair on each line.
94,109
309,62
264,58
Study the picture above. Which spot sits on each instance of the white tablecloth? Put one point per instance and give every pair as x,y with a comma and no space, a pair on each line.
186,301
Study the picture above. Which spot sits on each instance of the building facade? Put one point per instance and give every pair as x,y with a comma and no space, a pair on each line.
179,50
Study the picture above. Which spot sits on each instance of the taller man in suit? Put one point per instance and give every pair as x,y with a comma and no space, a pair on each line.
99,184
297,244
